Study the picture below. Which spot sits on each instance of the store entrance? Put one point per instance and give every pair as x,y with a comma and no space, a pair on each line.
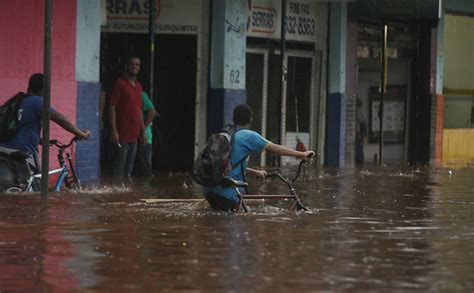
398,96
283,119
175,90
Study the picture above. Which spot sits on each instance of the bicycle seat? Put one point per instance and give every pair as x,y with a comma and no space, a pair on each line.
14,154
20,155
229,182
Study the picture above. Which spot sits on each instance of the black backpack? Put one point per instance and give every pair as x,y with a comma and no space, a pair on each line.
213,162
9,118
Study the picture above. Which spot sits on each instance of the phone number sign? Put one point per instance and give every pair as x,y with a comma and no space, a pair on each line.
264,20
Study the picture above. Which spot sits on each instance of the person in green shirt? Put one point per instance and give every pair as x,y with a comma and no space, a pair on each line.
144,150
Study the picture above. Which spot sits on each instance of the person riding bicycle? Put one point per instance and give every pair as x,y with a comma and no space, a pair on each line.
245,142
27,138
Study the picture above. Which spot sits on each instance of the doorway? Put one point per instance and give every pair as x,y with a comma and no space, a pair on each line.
398,96
284,120
175,90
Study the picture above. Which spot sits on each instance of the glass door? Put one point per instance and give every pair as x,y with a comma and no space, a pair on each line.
256,80
298,101
287,119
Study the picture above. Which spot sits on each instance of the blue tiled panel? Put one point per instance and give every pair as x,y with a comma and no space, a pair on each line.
88,152
221,104
335,129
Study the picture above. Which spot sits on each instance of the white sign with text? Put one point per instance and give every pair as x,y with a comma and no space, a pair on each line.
172,16
264,19
184,17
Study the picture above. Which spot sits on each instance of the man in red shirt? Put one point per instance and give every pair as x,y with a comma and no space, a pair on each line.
126,120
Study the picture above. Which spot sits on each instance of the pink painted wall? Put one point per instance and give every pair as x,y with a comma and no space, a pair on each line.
21,53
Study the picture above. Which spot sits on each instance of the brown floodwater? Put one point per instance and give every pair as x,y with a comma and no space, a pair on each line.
377,229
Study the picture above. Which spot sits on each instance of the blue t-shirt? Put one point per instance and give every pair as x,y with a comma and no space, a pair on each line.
245,142
27,137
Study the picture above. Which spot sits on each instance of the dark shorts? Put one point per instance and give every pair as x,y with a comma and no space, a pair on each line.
220,203
12,172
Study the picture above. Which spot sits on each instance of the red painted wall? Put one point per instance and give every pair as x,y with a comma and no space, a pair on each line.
21,53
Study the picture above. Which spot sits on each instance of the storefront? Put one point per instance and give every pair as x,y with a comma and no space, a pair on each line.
401,54
293,117
181,70
412,78
458,133
177,63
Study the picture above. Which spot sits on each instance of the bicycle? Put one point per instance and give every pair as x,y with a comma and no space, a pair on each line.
66,171
296,204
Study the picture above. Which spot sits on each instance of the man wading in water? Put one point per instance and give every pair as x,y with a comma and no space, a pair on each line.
245,142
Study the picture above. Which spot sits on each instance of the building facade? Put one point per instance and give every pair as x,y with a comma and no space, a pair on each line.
75,83
458,85
213,55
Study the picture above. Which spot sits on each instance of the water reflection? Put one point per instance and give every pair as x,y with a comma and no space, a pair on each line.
367,229
40,248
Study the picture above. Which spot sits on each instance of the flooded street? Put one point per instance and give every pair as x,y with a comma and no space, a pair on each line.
367,229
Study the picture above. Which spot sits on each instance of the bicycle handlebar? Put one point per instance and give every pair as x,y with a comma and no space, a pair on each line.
61,145
274,175
286,180
300,166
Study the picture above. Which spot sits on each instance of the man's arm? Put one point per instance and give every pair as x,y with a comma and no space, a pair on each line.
363,129
285,151
114,101
67,125
150,115
142,137
260,174
114,137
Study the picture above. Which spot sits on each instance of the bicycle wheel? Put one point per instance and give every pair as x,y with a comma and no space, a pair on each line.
13,189
73,183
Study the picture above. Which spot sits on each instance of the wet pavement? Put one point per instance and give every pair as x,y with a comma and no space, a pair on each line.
378,229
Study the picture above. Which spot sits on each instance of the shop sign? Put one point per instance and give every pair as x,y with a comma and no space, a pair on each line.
172,16
264,19
184,17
